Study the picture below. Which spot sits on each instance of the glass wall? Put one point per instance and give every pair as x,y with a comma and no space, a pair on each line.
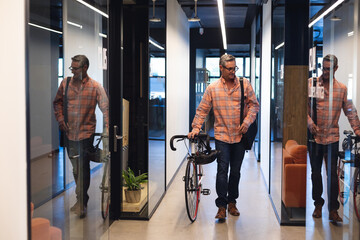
68,92
144,98
333,92
276,107
157,100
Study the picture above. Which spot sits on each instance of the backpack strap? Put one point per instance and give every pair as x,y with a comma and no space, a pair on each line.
242,100
66,100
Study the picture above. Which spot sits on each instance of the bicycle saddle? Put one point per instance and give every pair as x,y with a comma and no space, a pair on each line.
206,158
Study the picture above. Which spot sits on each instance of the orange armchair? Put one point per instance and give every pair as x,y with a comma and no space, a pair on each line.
294,174
41,229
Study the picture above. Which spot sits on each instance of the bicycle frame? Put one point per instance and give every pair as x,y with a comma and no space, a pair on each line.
350,155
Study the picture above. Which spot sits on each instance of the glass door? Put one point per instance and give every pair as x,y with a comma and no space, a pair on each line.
69,115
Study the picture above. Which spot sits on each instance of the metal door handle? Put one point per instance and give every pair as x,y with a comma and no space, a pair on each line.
116,138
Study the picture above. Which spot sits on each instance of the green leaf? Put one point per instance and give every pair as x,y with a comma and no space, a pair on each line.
133,182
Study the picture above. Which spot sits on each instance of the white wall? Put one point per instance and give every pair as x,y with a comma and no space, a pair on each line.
177,83
13,205
265,90
346,49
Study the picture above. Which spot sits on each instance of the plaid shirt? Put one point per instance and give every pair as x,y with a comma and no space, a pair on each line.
226,104
328,117
81,107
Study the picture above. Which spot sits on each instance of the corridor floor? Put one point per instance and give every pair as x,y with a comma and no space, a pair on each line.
257,219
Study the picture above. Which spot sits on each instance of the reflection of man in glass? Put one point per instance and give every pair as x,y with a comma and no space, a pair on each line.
326,135
224,96
76,117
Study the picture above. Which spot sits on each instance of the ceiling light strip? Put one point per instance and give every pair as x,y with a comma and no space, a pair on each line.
93,8
45,28
102,35
155,44
332,7
280,45
222,22
75,24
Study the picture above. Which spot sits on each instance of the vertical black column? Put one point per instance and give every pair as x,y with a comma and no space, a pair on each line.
136,81
296,70
296,32
115,99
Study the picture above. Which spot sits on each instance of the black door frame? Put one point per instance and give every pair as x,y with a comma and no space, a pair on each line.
115,102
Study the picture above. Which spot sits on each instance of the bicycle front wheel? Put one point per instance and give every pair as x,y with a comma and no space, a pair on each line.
357,192
344,190
105,191
192,192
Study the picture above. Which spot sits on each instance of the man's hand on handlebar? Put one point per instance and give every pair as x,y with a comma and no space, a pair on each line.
193,133
357,132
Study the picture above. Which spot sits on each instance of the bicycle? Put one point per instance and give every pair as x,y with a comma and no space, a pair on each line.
200,154
350,155
105,182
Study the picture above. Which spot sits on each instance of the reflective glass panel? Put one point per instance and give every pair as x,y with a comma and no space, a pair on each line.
69,117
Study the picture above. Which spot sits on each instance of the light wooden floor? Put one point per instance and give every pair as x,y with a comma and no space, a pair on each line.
170,221
257,219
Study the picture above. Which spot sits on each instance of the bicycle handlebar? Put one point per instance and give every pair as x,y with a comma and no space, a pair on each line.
182,137
104,135
349,133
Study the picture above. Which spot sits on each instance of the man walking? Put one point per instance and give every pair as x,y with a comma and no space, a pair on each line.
224,96
326,135
74,107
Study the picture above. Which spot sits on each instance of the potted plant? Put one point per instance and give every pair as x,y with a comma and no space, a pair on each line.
133,185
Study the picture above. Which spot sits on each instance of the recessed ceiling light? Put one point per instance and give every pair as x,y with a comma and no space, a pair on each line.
195,18
335,18
154,19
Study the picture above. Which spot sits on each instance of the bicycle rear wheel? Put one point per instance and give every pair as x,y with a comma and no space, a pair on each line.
105,190
192,192
357,193
344,190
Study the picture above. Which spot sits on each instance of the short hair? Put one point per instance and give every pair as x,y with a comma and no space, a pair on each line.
331,58
82,59
226,58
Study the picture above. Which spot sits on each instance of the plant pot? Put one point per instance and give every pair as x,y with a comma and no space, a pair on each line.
132,196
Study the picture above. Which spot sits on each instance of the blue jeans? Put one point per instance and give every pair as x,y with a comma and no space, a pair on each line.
227,187
317,153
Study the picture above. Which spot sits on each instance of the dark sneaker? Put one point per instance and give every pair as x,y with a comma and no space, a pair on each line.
317,212
334,216
75,207
81,212
221,214
233,210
